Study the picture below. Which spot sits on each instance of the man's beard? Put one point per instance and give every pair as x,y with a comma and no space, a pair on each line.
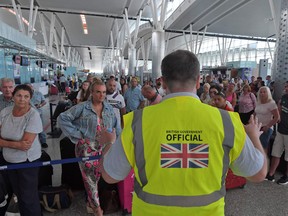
108,92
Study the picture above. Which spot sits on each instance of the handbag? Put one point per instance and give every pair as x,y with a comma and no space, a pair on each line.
55,198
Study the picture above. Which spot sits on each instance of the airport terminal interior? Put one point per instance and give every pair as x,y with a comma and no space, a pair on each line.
57,45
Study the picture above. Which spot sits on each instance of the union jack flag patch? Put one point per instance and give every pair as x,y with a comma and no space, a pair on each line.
181,155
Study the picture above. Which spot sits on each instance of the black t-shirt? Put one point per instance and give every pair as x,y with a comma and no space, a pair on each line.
283,125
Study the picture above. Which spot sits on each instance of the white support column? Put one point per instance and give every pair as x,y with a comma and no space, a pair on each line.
158,38
143,51
64,58
52,24
137,28
247,52
33,21
203,36
17,15
56,43
112,45
68,55
196,42
240,53
270,51
163,12
43,29
74,57
137,57
227,51
154,13
30,16
265,53
220,50
62,42
167,43
186,42
126,21
191,38
272,8
21,18
149,43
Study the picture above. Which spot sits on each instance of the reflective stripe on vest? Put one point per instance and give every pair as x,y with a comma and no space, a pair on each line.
178,201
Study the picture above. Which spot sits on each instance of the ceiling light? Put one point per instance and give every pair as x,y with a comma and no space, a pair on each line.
84,23
23,19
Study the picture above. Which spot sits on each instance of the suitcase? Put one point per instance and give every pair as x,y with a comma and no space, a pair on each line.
71,174
67,90
234,181
126,189
45,172
53,90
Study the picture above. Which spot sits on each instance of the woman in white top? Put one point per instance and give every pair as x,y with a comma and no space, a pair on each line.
20,125
267,113
84,93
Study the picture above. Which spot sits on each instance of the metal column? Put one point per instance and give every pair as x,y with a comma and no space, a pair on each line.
280,65
158,52
132,61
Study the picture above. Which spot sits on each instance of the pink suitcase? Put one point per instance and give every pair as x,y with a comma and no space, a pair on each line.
125,190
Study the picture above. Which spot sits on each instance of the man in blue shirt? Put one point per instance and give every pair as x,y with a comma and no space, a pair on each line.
133,97
38,101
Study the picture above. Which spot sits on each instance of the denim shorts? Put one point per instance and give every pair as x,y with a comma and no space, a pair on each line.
265,138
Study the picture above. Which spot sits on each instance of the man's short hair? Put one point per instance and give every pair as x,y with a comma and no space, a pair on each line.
180,66
5,79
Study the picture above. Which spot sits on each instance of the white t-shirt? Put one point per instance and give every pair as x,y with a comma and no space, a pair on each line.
263,112
79,95
116,100
13,128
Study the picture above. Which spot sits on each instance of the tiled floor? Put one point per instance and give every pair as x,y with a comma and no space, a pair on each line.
264,198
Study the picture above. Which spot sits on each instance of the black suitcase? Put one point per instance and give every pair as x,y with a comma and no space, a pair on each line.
71,174
45,172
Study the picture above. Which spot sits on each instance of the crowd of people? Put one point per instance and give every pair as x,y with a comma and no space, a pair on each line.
109,118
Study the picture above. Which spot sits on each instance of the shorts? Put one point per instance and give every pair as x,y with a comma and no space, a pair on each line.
280,144
265,138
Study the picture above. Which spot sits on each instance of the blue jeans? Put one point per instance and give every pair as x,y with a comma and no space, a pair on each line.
265,138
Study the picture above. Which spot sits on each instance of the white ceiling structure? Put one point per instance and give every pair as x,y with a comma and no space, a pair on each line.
252,18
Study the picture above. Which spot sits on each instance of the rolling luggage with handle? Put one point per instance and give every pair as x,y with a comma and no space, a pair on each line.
126,189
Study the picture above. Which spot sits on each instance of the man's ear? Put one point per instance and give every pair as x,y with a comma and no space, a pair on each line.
164,85
198,82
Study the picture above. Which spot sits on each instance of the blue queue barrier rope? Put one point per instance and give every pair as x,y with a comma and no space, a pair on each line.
47,163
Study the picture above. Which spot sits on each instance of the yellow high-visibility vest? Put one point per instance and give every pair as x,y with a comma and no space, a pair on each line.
180,150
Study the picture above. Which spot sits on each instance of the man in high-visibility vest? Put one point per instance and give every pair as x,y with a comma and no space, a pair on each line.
181,149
